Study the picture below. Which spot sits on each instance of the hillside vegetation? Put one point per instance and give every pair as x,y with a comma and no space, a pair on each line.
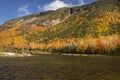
89,29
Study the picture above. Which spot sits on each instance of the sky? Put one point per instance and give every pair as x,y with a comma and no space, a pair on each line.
10,9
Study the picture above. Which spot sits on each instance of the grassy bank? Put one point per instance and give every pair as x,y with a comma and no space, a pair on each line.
60,67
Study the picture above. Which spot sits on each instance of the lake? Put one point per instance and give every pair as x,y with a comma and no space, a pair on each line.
60,67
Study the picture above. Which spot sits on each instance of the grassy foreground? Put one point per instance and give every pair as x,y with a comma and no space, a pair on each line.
60,67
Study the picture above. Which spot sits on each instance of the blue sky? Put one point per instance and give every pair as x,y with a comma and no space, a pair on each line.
10,9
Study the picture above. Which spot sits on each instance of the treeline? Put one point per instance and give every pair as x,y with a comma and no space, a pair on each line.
109,45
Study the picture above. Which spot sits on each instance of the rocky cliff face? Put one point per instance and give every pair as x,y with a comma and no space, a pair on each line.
45,19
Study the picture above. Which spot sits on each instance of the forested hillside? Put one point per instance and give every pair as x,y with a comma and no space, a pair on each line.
88,29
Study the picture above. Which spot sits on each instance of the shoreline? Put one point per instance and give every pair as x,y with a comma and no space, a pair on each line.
11,54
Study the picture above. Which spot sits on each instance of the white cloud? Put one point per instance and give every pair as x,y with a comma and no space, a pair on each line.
56,4
81,2
24,10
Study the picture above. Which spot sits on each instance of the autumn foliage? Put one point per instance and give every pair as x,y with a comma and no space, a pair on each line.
37,28
89,29
108,45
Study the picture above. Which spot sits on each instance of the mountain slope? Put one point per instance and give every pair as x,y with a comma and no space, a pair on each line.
63,30
99,18
46,19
